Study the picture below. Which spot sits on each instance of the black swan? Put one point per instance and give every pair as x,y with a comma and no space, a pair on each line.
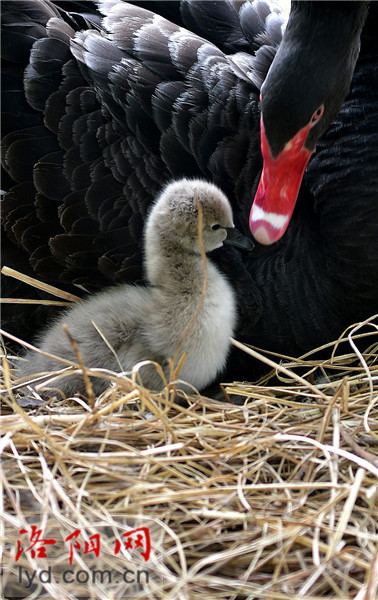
97,123
184,307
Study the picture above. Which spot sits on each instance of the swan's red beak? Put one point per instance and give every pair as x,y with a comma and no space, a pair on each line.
278,188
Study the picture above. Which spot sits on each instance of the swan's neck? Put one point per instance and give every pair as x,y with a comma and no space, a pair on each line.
169,265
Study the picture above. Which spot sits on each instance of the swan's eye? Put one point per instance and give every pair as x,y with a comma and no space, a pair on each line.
216,226
317,114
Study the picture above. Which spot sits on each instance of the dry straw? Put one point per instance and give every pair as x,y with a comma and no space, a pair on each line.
270,498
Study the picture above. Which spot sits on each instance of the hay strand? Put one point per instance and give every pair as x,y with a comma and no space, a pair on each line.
273,497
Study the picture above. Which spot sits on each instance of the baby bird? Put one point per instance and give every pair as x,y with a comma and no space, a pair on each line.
152,322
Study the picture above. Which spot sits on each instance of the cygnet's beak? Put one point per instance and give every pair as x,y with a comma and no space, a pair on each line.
237,239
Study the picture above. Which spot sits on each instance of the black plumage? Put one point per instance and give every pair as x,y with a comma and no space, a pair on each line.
99,117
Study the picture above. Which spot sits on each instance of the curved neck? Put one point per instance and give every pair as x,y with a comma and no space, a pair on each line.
168,264
313,66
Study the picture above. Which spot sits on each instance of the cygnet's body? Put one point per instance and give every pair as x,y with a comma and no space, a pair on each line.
147,323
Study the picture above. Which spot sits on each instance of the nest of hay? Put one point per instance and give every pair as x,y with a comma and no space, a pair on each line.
273,497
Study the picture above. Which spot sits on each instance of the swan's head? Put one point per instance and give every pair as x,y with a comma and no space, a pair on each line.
175,215
303,91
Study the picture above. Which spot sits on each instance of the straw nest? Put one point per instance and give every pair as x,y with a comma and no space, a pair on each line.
273,497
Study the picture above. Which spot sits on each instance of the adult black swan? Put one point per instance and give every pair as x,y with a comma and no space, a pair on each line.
99,117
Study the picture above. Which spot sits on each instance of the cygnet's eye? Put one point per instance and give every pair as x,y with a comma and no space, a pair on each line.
216,226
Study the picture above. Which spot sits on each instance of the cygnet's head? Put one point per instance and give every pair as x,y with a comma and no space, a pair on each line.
175,214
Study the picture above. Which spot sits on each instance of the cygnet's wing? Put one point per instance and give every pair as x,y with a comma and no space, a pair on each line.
108,329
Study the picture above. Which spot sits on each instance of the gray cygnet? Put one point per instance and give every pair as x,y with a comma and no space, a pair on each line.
147,322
